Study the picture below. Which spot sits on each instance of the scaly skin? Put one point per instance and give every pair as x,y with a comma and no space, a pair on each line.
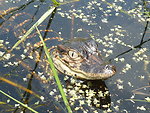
81,59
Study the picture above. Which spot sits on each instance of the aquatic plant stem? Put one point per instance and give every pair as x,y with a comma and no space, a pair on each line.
19,86
24,105
43,17
55,73
137,100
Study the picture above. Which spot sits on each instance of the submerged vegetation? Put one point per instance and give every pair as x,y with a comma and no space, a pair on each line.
25,63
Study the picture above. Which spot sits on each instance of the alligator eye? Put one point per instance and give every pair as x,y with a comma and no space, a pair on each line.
73,54
107,67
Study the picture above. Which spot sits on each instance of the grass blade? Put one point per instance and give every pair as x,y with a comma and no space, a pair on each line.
43,17
19,86
24,105
138,100
55,2
55,73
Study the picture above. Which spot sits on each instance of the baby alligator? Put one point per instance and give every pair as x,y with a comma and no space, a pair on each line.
81,59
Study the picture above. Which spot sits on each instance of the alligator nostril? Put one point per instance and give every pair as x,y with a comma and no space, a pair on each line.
75,75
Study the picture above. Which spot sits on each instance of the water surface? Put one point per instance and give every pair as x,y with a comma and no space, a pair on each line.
117,26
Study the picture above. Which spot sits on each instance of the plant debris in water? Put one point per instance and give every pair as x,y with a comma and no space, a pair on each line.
100,19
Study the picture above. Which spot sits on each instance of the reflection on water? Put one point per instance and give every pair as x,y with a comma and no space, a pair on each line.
118,27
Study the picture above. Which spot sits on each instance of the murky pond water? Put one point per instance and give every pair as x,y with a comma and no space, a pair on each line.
117,26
